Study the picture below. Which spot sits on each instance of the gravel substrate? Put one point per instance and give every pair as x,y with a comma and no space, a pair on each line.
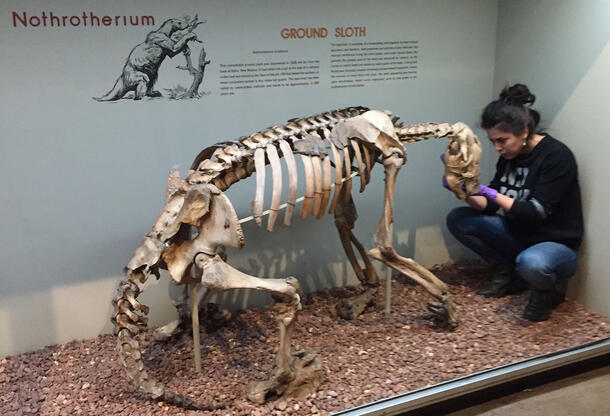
364,360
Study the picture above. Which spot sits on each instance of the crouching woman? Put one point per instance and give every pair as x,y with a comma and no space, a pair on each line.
527,224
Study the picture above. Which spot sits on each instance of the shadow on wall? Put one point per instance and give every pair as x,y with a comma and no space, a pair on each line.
282,254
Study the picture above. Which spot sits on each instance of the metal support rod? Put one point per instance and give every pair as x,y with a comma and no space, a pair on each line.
195,323
388,291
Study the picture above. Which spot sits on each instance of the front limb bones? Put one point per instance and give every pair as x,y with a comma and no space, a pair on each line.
385,253
424,277
377,129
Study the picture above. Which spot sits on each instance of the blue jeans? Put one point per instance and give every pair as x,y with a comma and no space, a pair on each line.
541,265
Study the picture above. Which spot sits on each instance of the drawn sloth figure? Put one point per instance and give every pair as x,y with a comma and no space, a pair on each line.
142,66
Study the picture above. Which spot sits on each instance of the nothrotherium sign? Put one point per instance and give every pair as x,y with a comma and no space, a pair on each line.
86,19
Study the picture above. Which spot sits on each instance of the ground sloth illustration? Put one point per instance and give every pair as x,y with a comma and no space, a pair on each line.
142,66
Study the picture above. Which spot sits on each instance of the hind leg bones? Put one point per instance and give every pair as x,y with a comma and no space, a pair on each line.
218,275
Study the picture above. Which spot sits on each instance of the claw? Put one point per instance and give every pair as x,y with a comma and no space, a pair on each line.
439,309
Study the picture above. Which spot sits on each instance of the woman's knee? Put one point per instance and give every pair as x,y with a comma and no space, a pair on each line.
534,267
455,219
544,264
529,260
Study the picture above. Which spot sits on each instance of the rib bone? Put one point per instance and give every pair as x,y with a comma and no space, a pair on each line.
326,184
308,186
292,180
368,163
317,179
277,185
356,148
338,176
348,173
257,204
325,179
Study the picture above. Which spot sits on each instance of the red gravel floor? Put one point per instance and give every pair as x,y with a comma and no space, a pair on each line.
365,359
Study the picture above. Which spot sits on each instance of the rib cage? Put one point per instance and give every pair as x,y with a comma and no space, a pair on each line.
225,163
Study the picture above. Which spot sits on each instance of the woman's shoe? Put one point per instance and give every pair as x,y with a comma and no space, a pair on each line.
559,292
499,283
539,306
542,302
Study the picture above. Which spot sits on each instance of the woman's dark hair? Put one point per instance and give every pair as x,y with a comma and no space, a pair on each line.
511,111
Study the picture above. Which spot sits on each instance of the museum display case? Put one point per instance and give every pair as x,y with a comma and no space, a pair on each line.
312,131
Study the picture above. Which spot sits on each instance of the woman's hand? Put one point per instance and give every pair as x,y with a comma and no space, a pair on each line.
487,192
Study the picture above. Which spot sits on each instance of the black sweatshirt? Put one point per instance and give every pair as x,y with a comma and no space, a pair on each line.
544,184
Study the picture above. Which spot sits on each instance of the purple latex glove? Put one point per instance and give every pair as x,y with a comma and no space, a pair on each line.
446,184
487,192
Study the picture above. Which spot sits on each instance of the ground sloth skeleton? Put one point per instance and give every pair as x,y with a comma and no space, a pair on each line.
325,142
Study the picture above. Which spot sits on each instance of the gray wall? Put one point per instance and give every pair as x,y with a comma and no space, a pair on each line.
561,50
83,181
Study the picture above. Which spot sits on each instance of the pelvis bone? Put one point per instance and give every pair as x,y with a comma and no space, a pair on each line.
198,220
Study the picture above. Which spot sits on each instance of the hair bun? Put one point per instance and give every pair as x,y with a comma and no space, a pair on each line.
517,94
